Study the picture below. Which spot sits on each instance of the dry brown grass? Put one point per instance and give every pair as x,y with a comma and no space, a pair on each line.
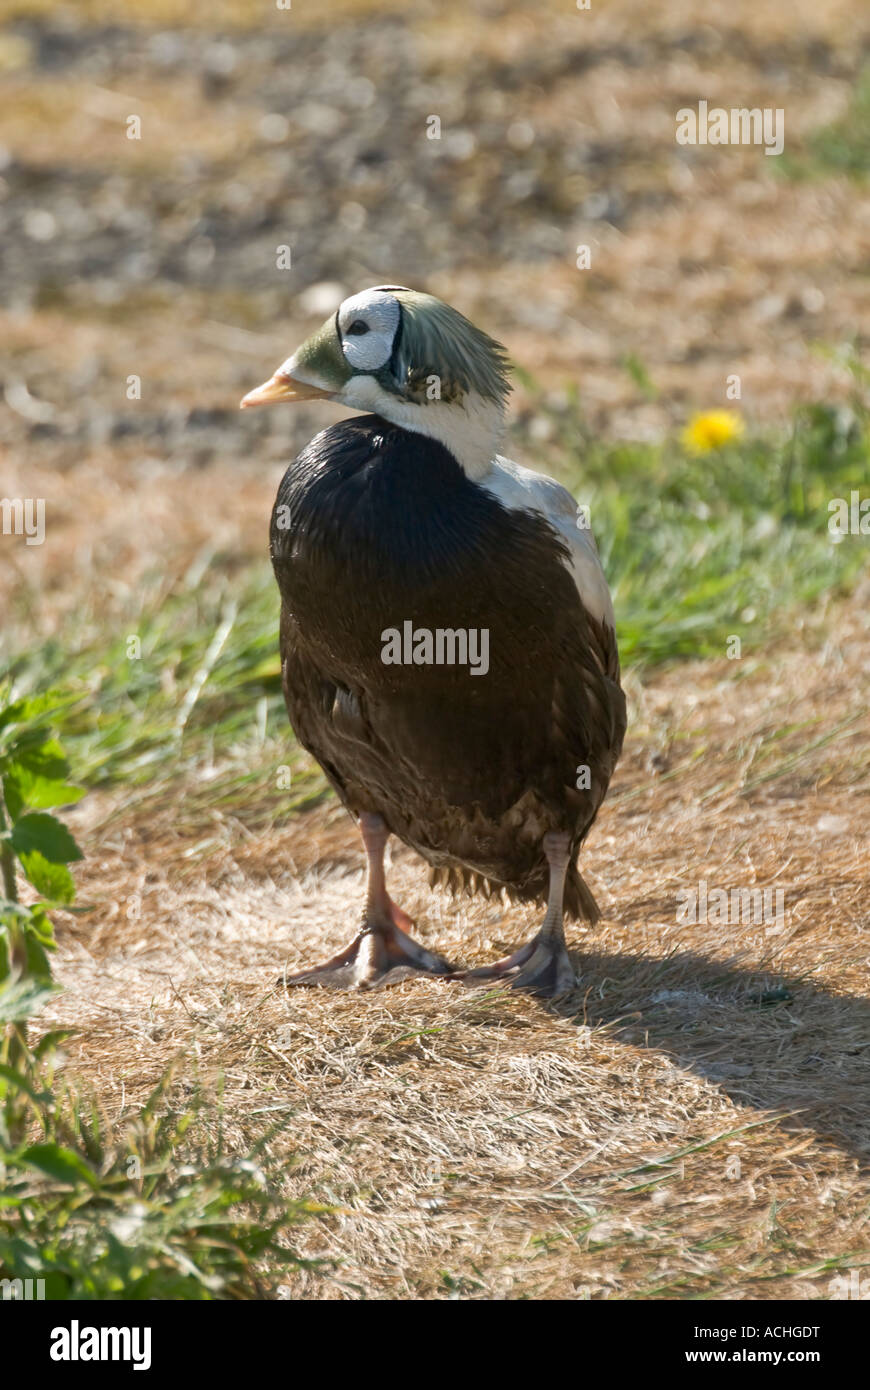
692,1121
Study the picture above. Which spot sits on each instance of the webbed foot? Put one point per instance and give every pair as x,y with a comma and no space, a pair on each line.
382,953
542,967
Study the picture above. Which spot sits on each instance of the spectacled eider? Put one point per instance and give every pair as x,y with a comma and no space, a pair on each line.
447,637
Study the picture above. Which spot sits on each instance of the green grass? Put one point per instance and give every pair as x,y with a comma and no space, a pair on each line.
183,710
842,147
732,543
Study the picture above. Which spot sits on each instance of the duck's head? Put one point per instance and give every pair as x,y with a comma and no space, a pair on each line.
410,358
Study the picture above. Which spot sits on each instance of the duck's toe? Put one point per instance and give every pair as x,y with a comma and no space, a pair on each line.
381,954
542,967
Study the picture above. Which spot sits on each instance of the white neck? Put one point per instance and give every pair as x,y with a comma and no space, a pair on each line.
471,431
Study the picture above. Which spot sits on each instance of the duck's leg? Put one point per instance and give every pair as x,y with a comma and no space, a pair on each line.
382,952
541,966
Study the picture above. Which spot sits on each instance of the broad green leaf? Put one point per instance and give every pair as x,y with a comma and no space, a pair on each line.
11,795
59,1163
37,962
53,881
39,831
43,759
31,706
25,789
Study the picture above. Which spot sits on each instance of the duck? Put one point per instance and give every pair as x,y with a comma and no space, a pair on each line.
447,635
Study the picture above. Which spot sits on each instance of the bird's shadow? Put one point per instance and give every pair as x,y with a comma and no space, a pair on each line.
768,1040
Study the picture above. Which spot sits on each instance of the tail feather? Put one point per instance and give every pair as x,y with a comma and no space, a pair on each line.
580,904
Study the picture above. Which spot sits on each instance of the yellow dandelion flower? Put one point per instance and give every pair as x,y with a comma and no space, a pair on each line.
711,431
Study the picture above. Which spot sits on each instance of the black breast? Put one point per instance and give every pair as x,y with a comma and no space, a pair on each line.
375,528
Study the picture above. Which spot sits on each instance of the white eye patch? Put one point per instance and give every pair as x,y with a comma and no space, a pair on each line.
367,324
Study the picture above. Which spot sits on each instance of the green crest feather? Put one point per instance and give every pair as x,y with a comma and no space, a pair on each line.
436,340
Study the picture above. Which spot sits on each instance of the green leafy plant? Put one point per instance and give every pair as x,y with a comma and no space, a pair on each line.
96,1210
138,1212
33,778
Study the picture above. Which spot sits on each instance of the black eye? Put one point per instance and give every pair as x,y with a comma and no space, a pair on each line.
357,328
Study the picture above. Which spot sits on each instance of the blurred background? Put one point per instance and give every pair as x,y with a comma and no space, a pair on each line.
308,127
